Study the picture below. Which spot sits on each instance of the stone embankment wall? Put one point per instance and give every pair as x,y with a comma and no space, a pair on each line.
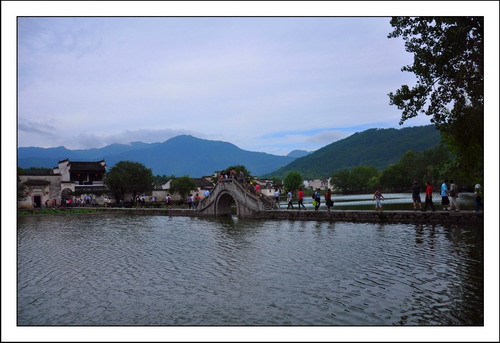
363,216
356,216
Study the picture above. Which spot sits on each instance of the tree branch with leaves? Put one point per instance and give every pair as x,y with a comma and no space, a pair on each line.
449,66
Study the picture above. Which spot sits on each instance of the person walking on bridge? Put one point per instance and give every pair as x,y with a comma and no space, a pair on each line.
478,195
378,197
328,199
168,199
428,197
257,189
317,199
277,196
416,196
445,201
289,197
300,196
453,195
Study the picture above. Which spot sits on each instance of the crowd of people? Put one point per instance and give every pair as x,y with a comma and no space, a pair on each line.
316,196
71,202
449,193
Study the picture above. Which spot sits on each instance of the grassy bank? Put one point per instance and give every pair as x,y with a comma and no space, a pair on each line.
57,211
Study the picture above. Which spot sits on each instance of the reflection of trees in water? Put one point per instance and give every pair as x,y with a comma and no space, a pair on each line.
461,299
468,249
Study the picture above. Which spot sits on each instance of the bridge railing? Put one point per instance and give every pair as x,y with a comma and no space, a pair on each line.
206,202
245,188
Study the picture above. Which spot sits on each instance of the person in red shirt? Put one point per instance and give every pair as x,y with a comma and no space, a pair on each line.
300,196
328,199
257,190
428,197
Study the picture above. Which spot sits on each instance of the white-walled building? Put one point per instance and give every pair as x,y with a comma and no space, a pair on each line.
38,189
69,180
82,178
322,184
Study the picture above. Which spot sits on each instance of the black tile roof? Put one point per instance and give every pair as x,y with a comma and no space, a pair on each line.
37,183
87,166
202,183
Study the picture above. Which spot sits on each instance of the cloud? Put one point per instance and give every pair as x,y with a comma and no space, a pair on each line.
328,137
40,134
42,129
112,80
86,141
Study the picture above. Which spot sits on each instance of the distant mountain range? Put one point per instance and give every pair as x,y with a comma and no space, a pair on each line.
298,153
181,155
188,155
373,147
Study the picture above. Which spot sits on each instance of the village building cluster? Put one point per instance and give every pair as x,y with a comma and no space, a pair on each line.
74,183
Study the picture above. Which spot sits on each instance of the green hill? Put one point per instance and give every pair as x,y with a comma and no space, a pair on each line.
373,147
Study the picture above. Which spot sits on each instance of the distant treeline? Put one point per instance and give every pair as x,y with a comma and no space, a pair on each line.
433,165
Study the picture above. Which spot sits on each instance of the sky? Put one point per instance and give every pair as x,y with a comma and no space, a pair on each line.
272,84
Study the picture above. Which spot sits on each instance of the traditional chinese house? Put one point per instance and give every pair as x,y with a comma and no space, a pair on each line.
81,177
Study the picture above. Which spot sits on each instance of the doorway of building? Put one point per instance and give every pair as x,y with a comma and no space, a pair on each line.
37,201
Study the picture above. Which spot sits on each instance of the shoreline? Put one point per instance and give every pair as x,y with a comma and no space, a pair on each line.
359,216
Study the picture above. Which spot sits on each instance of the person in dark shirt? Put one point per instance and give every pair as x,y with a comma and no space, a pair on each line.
317,199
416,196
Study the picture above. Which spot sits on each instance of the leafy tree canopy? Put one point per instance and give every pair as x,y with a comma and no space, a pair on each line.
429,165
293,181
182,185
129,177
357,179
448,64
33,170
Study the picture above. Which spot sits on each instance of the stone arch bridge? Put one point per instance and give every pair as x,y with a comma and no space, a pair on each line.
230,192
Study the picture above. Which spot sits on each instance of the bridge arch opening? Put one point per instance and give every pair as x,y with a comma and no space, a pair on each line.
226,205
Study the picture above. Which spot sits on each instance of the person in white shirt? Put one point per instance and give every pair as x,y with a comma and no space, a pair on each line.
289,197
277,197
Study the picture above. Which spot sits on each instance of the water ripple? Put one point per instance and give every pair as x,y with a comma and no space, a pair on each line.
121,270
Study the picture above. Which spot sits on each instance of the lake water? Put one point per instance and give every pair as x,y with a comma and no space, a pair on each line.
156,270
393,201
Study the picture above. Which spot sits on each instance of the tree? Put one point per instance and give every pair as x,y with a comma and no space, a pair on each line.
182,185
373,182
428,165
37,170
293,181
412,169
341,180
359,177
448,64
393,177
129,177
